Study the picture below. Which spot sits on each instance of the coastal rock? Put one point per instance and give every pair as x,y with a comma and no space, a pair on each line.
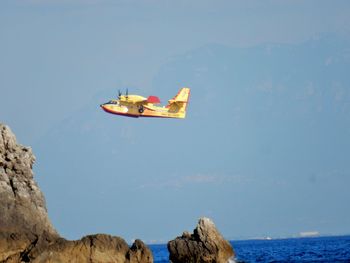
139,253
26,233
23,215
99,248
205,245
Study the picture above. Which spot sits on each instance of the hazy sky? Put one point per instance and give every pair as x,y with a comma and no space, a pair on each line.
264,150
66,51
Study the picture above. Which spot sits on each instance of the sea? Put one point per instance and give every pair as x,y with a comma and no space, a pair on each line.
315,249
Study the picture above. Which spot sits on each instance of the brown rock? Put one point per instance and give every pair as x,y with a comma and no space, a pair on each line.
23,214
206,244
99,248
139,253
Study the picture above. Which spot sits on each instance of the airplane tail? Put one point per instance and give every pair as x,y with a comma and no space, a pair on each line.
178,104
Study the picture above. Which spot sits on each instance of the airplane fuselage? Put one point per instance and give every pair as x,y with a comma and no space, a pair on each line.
136,111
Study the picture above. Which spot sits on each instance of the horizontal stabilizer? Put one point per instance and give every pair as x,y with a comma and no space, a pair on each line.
182,96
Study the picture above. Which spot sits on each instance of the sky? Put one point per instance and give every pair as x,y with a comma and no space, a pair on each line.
264,150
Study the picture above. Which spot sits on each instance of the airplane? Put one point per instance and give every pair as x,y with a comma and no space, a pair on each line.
138,106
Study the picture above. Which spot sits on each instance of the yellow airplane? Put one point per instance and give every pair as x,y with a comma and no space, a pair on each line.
138,106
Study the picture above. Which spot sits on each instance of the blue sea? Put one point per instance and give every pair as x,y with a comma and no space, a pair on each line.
316,249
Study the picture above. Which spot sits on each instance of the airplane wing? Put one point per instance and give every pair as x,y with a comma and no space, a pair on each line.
135,99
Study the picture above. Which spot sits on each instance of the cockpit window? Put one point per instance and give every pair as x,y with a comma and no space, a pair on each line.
113,102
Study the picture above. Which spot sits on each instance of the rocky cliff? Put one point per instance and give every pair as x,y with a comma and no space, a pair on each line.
24,223
26,233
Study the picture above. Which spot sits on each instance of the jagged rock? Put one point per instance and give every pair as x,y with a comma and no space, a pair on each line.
23,213
206,244
26,233
139,253
95,248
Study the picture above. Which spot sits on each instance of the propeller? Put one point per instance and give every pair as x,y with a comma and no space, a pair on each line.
127,93
119,94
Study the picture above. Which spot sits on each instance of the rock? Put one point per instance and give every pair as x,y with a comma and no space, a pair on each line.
139,253
23,213
206,244
99,248
26,233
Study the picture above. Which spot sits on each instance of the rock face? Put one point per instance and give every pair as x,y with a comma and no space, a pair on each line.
99,248
205,245
26,233
23,215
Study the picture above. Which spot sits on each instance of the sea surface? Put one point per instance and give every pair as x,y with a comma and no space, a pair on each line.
316,249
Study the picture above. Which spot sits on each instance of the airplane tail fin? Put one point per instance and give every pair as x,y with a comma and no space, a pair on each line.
178,104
